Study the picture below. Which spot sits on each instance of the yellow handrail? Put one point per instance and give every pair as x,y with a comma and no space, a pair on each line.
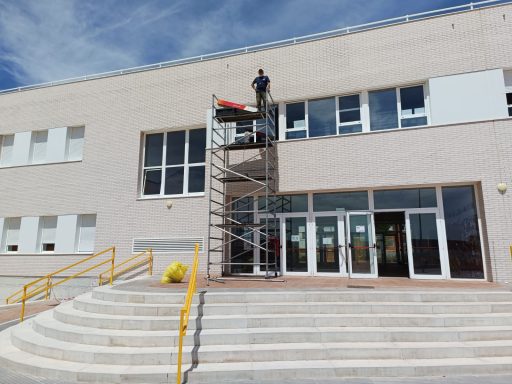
185,310
48,284
149,260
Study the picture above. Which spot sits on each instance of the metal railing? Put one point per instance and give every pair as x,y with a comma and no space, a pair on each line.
147,258
185,311
274,44
34,289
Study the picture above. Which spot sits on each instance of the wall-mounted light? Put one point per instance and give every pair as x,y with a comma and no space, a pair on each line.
168,204
502,188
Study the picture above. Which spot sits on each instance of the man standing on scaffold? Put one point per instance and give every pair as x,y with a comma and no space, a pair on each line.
261,84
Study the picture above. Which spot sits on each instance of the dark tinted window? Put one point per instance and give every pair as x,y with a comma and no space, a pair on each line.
197,145
405,198
153,150
383,109
462,233
322,117
175,148
295,115
355,201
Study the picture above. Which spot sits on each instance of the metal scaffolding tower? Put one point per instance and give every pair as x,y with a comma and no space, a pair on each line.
243,167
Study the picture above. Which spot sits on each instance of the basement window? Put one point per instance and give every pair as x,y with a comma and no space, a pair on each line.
509,103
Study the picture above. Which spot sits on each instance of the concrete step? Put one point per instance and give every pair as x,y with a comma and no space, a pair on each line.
67,314
88,304
45,324
328,369
168,296
26,339
13,358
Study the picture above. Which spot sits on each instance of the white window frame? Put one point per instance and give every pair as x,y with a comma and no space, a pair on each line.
360,121
306,121
79,234
163,167
413,116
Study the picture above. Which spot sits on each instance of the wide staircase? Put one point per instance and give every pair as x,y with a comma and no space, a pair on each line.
116,335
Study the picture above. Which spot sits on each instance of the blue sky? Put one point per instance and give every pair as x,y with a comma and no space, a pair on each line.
46,40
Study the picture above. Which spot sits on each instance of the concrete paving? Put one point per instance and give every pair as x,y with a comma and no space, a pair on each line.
10,377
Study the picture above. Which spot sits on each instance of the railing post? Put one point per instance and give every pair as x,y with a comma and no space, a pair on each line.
112,268
180,345
22,315
46,296
150,269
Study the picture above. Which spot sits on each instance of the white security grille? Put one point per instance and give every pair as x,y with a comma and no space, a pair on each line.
168,245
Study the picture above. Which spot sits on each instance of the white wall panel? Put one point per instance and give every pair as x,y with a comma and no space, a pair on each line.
56,144
66,234
468,97
21,149
29,232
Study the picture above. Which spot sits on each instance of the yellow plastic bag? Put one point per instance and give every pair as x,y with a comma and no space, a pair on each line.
174,273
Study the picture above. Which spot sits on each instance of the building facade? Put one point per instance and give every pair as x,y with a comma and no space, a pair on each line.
395,145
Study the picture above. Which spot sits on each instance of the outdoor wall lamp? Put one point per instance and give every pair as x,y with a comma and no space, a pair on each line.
168,203
502,188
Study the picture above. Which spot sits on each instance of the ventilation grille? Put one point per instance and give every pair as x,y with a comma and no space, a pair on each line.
168,245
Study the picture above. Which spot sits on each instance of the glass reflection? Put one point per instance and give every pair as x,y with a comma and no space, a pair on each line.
322,117
462,232
383,109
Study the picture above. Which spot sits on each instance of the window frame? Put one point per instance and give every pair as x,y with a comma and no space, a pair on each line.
6,234
306,120
2,140
186,165
361,120
509,106
33,142
399,106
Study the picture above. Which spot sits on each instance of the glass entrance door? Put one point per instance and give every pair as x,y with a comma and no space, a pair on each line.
425,261
330,243
295,247
362,254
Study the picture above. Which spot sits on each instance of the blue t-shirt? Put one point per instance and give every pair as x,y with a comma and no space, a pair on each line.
261,83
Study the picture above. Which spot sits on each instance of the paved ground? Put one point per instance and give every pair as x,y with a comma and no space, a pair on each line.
294,282
10,377
9,314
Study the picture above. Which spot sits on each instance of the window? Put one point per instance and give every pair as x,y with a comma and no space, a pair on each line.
87,233
349,114
75,143
405,198
296,121
48,233
412,106
383,109
174,163
12,234
356,201
286,203
462,232
509,103
322,117
38,147
6,145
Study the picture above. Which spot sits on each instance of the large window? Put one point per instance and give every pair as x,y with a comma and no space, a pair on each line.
412,106
174,163
349,114
322,117
38,147
339,201
286,203
462,232
6,145
383,109
405,198
296,121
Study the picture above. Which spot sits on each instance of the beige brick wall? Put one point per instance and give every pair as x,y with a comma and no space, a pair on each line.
116,110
